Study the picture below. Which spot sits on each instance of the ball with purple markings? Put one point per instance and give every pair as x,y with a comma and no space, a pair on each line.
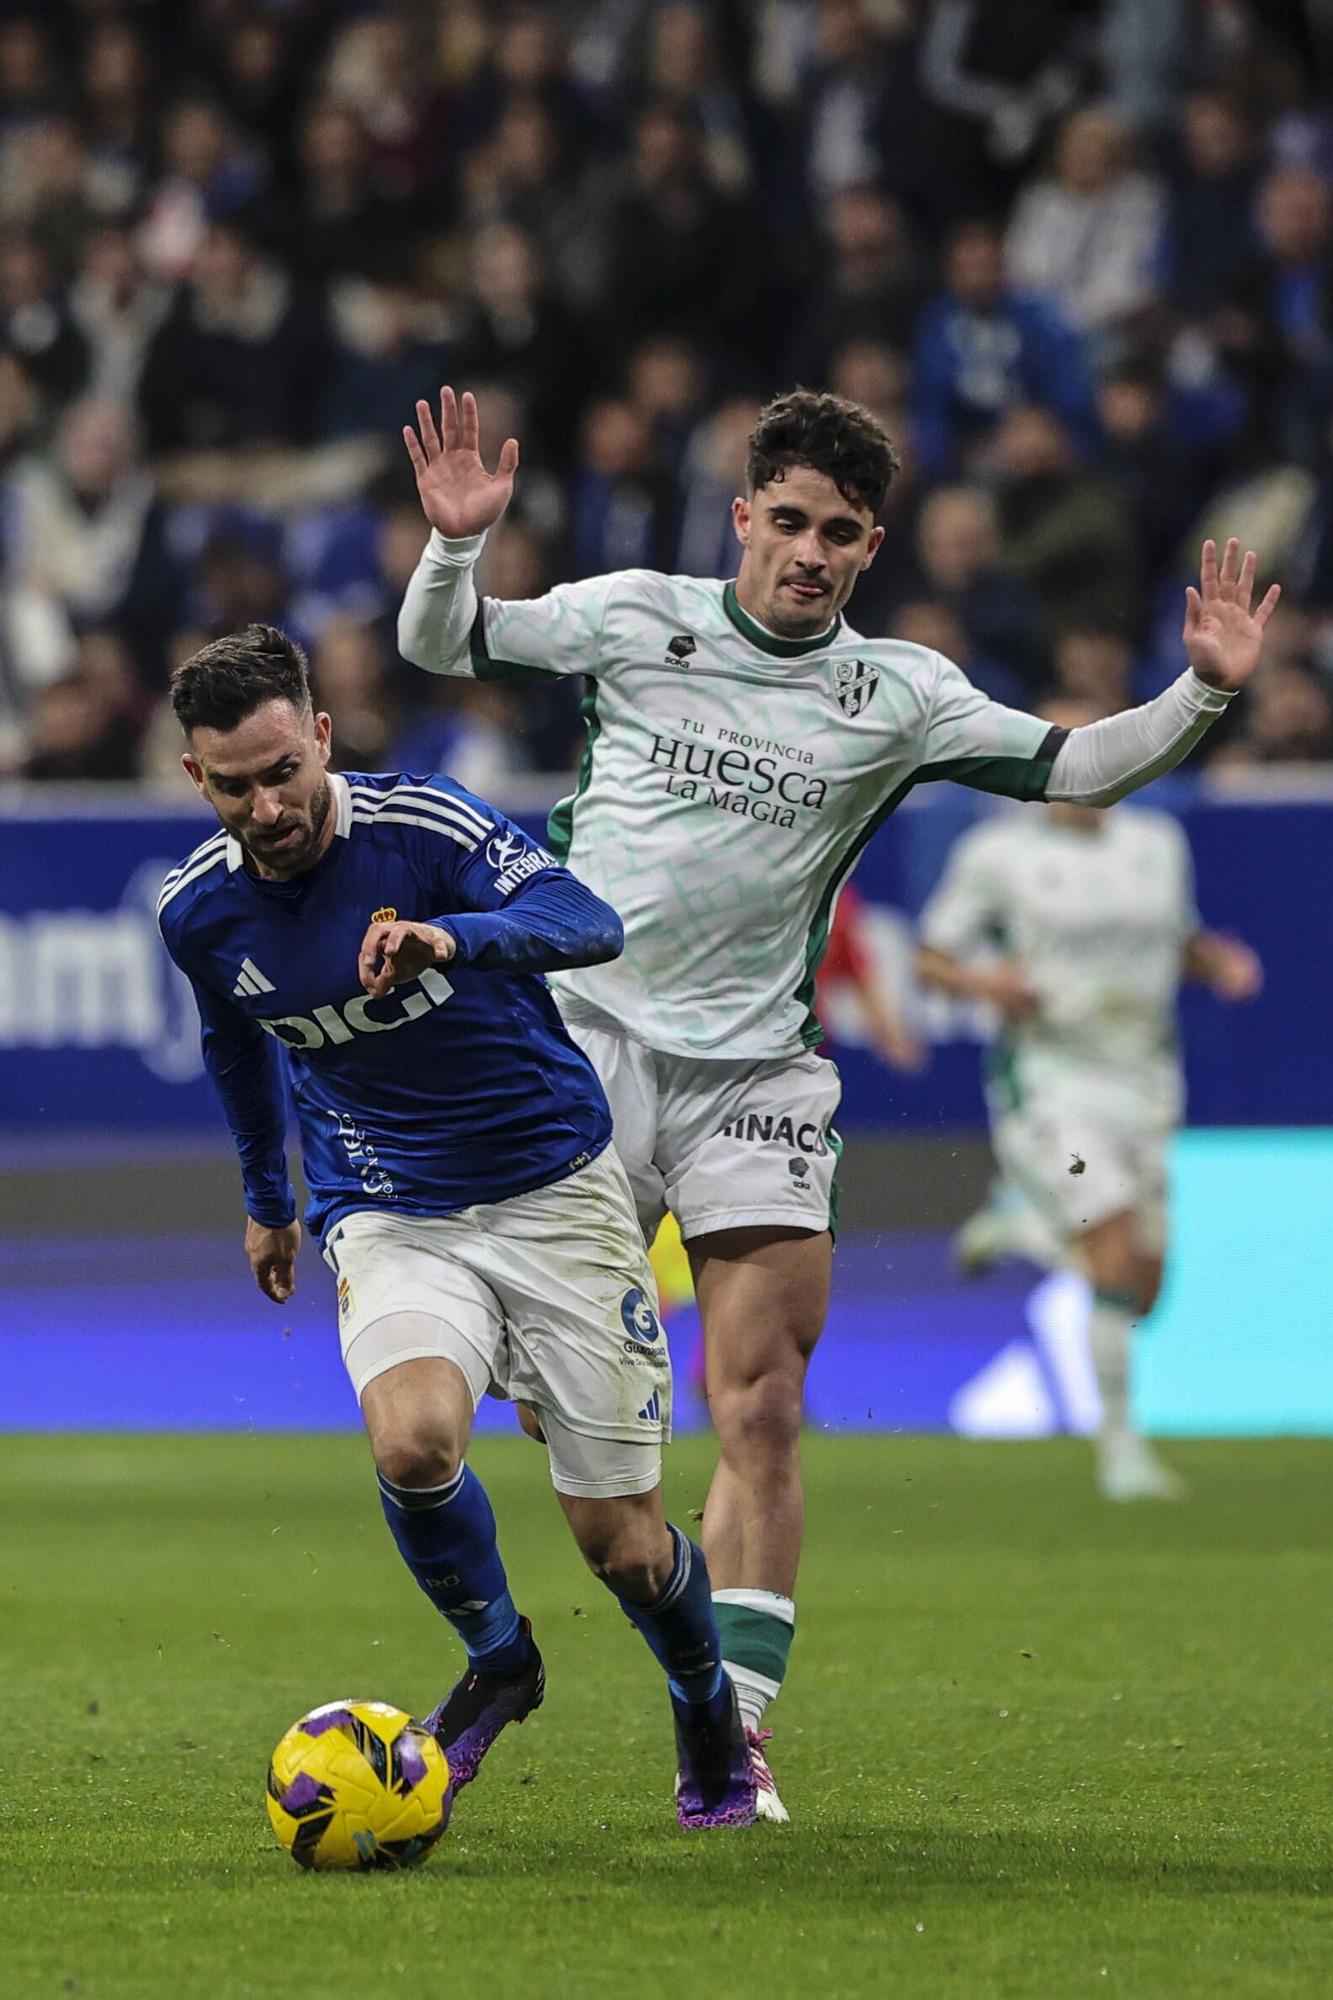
358,1785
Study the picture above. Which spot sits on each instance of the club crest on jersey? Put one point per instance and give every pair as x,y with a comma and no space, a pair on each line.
388,915
679,650
857,681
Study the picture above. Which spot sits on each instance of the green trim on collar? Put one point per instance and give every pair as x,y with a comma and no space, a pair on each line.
785,649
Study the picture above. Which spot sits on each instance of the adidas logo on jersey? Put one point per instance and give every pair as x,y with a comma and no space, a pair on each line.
251,981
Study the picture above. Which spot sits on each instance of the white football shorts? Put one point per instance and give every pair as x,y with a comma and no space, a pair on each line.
723,1145
547,1298
1082,1155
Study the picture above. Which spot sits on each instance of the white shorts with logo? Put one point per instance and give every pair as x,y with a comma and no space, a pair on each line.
547,1298
723,1145
1083,1156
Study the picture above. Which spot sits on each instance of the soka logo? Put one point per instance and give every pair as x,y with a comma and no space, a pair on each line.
355,1017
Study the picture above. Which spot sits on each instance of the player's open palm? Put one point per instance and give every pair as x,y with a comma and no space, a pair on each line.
458,495
1222,633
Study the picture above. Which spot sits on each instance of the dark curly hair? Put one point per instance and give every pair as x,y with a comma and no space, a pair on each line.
831,435
217,687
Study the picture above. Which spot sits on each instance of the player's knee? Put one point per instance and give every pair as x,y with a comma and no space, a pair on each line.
631,1557
761,1418
419,1454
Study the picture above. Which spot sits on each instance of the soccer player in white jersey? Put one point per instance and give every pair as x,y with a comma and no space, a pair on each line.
743,744
1078,926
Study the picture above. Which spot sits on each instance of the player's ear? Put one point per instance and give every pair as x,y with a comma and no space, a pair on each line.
872,547
740,519
195,771
323,735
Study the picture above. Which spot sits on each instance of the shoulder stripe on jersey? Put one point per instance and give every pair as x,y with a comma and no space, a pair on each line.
192,875
373,809
439,826
214,840
425,797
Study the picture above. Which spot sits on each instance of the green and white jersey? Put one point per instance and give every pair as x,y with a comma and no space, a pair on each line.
730,779
1098,918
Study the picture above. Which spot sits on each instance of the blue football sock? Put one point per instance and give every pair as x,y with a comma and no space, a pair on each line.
446,1536
681,1627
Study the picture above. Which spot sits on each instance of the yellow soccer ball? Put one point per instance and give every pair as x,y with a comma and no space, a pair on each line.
358,1784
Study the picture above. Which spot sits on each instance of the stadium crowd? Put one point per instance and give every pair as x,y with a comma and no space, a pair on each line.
1078,257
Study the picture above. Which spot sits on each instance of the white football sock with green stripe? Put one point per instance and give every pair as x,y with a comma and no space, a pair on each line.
756,1628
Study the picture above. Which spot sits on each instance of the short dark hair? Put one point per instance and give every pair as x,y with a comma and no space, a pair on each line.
830,434
217,687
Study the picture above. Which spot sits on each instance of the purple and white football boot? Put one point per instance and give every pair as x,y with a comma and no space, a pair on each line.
471,1716
715,1780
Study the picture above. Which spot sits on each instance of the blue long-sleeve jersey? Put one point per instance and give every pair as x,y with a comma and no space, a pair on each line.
459,1087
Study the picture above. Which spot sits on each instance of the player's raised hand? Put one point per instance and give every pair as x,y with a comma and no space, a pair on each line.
392,953
1222,634
272,1254
458,495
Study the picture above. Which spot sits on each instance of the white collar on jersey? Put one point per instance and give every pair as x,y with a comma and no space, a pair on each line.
342,820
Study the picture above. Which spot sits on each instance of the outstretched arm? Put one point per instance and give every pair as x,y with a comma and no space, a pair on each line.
461,500
1104,761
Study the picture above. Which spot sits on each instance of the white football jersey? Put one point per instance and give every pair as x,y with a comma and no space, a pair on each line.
1098,918
730,780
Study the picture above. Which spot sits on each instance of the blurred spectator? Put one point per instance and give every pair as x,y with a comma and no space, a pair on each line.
1087,236
1093,665
208,175
240,359
350,677
983,350
927,622
1276,325
76,731
875,284
85,528
1209,233
1146,460
1064,530
46,188
239,581
666,381
36,325
623,498
686,257
712,475
116,88
529,172
389,346
338,223
117,308
685,58
1004,74
380,66
958,550
514,331
1288,719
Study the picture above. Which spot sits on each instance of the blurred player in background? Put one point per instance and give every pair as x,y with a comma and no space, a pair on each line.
462,1183
743,744
849,961
1090,925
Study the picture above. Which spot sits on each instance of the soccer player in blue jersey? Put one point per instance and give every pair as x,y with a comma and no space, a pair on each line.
377,944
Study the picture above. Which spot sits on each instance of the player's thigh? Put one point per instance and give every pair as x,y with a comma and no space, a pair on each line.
418,1414
585,1349
628,1077
763,1298
1070,1159
406,1294
749,1146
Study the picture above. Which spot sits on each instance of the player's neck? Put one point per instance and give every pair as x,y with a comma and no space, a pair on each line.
743,596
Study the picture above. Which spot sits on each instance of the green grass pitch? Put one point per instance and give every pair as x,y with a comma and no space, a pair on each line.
1033,1745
